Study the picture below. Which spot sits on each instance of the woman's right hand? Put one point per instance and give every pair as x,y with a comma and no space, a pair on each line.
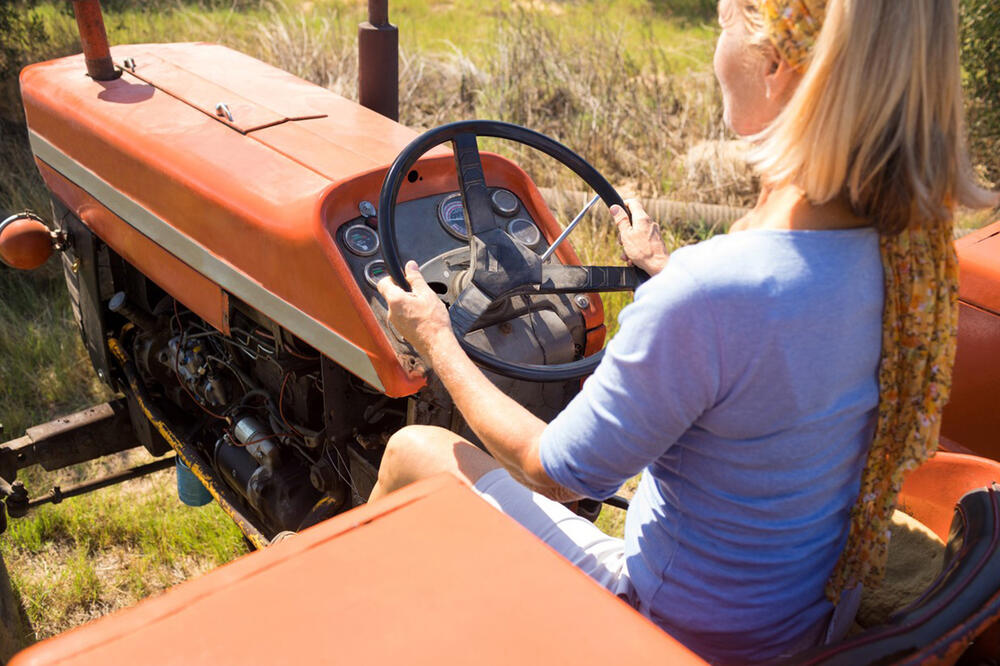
641,240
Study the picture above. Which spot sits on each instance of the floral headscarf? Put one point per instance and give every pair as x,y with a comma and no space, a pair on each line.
919,328
793,26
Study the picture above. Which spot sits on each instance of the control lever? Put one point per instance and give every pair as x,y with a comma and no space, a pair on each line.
569,228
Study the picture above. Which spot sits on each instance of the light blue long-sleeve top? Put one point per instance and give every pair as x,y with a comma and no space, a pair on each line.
743,384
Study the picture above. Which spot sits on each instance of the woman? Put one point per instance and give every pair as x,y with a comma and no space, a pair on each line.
772,384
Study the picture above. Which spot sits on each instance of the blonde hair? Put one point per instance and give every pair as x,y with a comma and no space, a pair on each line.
878,114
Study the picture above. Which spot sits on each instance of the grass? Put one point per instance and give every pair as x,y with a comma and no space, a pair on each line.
42,363
626,83
88,556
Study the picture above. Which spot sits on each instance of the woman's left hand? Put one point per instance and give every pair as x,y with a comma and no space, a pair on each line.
418,315
640,238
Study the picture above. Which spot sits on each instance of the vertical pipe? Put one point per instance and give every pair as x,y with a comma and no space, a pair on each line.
94,39
378,12
378,61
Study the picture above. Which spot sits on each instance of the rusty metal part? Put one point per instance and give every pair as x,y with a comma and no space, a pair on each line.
94,39
94,432
58,494
197,463
669,213
378,61
15,497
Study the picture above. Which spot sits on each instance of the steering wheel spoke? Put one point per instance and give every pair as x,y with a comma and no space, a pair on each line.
557,279
472,181
467,309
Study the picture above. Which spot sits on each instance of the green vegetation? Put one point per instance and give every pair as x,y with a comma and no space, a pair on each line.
41,359
87,556
981,58
83,558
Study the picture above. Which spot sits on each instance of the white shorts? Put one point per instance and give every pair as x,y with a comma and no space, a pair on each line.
600,556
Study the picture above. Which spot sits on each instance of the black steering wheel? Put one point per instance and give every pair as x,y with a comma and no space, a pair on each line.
499,265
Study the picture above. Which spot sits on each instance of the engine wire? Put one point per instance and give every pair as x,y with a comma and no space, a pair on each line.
211,357
281,398
177,372
216,337
336,468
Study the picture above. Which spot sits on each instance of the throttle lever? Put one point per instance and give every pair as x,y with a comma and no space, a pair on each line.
570,227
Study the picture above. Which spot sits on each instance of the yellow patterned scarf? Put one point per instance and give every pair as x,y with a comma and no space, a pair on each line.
919,328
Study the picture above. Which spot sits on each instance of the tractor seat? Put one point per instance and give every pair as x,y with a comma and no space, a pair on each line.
961,603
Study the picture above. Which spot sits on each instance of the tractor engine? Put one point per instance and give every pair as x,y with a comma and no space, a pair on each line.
271,415
254,402
252,396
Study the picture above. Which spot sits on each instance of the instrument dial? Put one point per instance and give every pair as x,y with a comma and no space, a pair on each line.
375,271
524,231
504,202
361,240
451,214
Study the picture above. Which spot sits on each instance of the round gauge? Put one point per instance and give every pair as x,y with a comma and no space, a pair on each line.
375,271
524,231
504,202
361,240
451,214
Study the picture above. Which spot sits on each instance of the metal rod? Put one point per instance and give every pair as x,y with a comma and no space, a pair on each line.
569,228
94,39
187,453
58,494
378,12
90,433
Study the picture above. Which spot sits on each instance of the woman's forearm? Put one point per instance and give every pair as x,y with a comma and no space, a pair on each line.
509,431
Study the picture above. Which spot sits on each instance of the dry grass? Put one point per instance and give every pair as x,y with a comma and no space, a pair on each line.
616,98
88,556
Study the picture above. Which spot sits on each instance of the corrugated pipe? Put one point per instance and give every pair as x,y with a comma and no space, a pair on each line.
668,213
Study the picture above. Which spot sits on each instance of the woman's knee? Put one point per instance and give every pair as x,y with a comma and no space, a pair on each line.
418,451
410,454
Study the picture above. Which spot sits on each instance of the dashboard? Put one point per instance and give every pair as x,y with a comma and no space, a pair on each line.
535,329
431,231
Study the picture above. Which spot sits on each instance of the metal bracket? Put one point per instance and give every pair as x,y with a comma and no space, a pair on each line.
68,440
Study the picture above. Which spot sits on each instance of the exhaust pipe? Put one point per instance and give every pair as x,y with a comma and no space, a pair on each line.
94,39
378,61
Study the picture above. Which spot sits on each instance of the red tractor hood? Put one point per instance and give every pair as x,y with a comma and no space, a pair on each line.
222,177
